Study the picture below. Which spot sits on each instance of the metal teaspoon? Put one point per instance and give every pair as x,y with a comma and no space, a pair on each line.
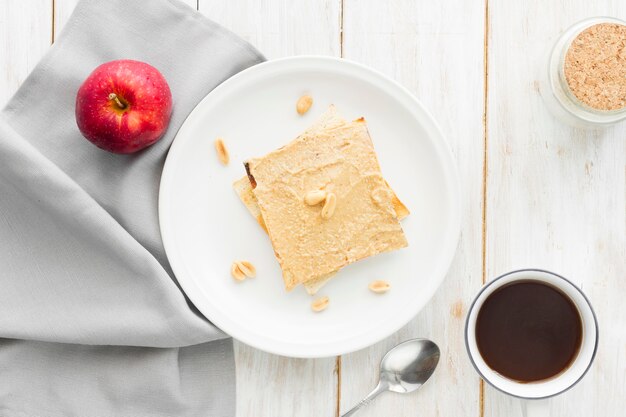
404,369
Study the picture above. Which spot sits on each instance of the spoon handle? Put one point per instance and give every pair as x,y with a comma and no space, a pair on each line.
365,401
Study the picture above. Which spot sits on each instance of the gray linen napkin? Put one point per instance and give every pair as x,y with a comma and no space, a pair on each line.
92,321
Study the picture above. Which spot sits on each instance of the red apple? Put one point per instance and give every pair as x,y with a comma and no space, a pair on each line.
124,106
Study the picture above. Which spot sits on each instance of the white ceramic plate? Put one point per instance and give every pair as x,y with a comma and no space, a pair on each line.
205,226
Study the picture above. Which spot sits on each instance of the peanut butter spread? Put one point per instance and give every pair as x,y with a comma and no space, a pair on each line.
243,187
338,157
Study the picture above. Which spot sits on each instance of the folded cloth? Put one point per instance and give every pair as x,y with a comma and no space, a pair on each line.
92,321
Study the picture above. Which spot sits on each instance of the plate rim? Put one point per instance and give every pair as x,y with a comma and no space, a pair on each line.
194,293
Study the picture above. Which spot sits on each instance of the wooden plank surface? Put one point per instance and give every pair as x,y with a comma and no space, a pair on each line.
556,194
281,28
25,35
435,49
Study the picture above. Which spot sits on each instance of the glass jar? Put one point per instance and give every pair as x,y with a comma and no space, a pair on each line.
560,97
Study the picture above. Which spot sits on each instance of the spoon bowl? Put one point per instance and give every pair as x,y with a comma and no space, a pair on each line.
407,366
404,369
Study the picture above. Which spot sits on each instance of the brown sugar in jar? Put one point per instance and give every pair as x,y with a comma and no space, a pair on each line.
586,77
595,66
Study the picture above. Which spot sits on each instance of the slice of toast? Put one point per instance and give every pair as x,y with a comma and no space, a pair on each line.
337,156
243,188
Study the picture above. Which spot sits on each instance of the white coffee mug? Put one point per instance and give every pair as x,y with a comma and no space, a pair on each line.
532,393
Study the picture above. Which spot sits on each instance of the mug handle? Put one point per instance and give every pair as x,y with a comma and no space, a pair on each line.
535,408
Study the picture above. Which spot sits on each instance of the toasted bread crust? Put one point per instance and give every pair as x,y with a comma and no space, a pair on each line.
250,176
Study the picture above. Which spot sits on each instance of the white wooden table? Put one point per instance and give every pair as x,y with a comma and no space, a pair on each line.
536,193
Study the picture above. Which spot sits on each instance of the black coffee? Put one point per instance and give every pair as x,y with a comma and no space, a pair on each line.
528,331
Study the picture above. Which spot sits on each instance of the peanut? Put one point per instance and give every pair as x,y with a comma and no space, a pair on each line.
329,206
247,268
304,104
222,152
319,304
379,286
313,198
236,272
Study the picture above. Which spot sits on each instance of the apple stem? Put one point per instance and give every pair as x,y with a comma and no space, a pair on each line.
118,102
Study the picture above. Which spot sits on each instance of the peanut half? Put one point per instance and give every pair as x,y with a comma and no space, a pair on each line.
222,152
236,272
330,205
242,269
379,286
380,195
304,104
319,304
247,268
313,198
